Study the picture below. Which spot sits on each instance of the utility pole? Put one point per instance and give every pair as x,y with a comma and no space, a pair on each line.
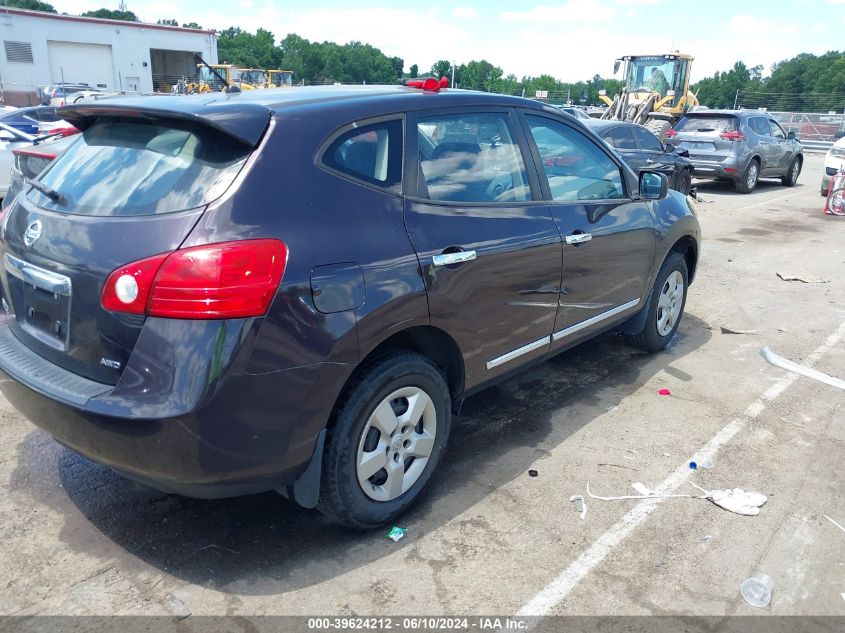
736,99
453,74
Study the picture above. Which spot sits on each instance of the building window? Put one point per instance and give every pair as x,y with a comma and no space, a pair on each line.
18,52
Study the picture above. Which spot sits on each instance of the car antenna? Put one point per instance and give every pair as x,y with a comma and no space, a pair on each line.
214,70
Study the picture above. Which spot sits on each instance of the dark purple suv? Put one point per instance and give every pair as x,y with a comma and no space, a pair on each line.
292,290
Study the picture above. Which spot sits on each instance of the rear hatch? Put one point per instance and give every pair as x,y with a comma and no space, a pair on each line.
132,186
701,134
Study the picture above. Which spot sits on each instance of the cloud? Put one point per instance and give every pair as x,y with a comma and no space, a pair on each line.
574,10
464,13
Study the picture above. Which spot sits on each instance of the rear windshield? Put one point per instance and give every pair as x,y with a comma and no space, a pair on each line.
123,167
706,124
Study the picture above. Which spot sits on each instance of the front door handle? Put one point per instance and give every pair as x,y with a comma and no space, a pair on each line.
578,238
458,257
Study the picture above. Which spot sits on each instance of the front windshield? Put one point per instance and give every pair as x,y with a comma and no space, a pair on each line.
207,76
283,78
653,74
254,77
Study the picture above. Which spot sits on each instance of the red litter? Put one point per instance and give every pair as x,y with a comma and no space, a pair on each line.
665,392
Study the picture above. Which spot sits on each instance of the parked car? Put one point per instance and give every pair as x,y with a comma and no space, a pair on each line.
10,140
643,150
31,160
833,161
738,145
578,113
177,321
53,91
30,120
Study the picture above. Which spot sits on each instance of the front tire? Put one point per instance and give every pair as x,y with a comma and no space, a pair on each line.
666,306
684,182
749,178
791,177
389,434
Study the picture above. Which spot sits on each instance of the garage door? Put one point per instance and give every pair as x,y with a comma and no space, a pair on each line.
89,64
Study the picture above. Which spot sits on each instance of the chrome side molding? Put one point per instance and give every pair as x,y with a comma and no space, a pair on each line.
609,314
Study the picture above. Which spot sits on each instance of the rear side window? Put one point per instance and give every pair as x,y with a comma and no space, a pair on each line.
647,141
470,157
371,153
713,123
760,125
620,137
125,167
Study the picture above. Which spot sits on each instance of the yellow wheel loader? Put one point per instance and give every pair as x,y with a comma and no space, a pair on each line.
655,93
280,78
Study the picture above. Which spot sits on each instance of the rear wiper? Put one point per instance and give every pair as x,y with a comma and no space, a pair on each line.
39,139
47,190
706,129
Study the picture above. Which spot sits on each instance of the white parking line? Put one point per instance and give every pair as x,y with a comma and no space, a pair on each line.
556,591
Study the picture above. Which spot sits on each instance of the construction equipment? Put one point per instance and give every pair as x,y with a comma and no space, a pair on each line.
218,78
656,91
254,77
280,78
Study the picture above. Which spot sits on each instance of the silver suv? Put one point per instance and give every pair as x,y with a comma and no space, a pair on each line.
742,146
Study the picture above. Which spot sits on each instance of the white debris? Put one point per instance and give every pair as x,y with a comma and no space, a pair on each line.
809,372
834,523
583,508
734,500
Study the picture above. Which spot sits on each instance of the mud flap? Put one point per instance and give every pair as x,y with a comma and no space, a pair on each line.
306,489
636,323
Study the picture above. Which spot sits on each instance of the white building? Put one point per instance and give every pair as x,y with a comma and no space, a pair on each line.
43,48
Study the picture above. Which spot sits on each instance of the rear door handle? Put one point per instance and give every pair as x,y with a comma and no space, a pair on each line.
578,238
447,259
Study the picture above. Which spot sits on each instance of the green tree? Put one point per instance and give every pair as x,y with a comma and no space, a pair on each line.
191,25
414,70
442,68
109,14
167,22
250,50
32,5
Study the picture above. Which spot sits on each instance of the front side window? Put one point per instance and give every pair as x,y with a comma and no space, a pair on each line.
620,138
647,141
371,153
777,130
576,168
470,157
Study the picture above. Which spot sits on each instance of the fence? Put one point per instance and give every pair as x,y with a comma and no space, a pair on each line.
812,127
12,94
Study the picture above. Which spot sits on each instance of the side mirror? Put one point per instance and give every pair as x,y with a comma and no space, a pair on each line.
616,65
653,185
669,147
603,93
792,136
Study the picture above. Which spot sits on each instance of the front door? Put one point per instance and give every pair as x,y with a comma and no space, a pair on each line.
608,237
487,244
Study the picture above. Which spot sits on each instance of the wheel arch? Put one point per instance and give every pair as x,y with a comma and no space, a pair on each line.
687,246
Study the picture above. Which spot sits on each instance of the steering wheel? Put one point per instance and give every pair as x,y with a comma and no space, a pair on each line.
500,185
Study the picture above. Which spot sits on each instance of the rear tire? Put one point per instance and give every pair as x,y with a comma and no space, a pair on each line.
666,306
748,181
399,404
791,176
658,127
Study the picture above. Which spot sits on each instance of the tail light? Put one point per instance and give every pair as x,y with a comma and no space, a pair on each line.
217,281
671,132
31,162
733,135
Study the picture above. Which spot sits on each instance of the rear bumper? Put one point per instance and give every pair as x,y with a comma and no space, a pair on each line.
247,433
727,168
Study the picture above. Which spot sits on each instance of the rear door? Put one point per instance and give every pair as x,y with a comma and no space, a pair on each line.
487,244
125,190
608,236
765,144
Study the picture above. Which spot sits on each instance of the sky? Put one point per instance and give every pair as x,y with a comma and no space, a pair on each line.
571,40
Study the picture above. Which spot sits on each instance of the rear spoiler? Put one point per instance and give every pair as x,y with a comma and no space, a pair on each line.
244,120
